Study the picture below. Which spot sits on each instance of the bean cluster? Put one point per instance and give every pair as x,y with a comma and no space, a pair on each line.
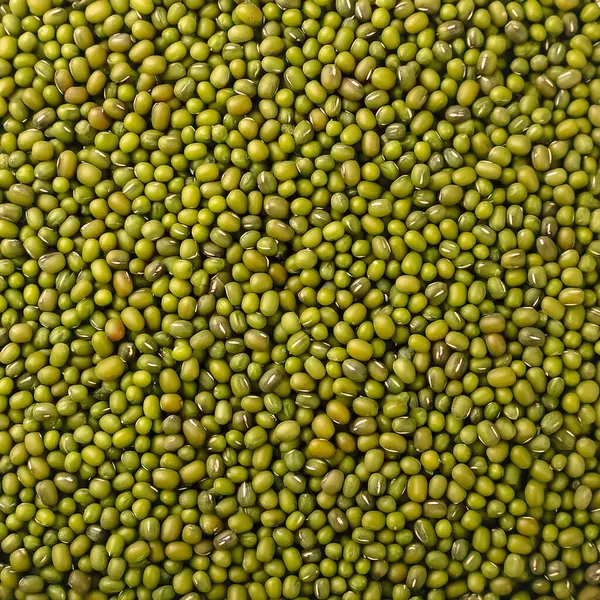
299,299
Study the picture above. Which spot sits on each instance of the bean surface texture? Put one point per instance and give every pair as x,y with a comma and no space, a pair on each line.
299,300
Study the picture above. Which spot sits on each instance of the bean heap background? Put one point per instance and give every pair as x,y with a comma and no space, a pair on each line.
299,300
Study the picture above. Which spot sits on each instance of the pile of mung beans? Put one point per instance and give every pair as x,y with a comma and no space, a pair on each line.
299,300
